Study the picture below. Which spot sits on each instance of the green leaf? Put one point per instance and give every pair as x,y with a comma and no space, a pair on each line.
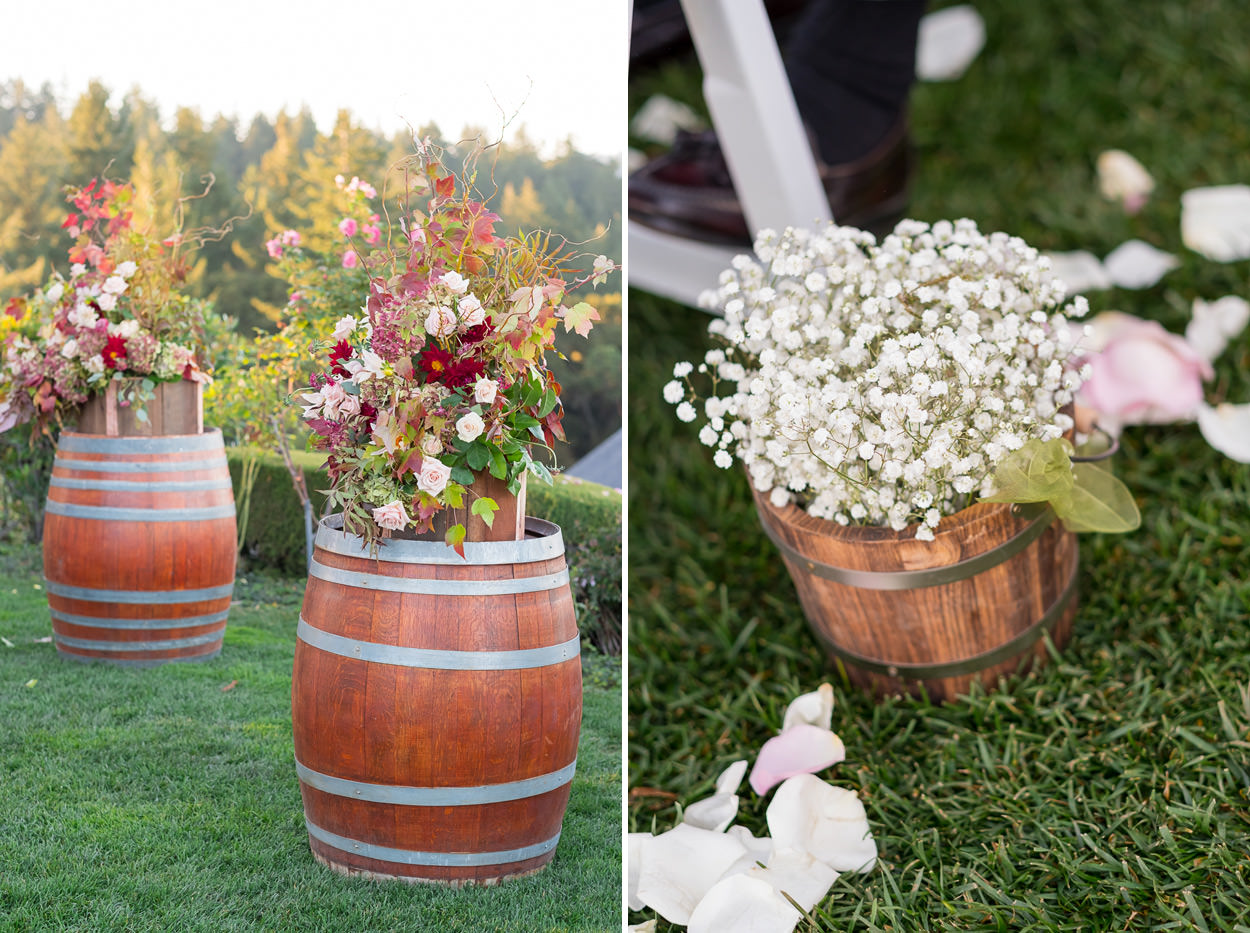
141,415
455,538
454,494
1098,501
549,401
540,471
462,474
485,509
498,465
1039,471
477,456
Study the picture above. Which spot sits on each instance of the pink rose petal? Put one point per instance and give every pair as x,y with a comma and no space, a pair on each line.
801,749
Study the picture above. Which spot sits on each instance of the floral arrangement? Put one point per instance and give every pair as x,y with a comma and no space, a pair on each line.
885,384
118,317
713,876
442,375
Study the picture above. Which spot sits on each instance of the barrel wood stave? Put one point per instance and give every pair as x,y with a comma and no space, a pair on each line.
122,549
451,703
931,625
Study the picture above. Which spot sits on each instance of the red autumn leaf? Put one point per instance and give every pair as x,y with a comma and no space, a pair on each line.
445,187
230,686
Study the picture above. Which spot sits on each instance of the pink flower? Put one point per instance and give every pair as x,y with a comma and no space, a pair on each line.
372,233
1141,373
433,476
350,259
391,516
290,238
274,248
348,227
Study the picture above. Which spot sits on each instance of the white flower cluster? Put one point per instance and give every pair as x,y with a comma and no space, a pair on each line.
879,384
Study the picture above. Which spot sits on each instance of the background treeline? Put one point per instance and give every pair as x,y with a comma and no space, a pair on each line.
260,177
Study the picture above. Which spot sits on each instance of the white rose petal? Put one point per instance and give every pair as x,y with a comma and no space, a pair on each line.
718,811
825,821
741,903
1216,222
1215,323
948,42
633,861
680,866
1080,271
815,708
1227,429
1137,264
344,328
798,874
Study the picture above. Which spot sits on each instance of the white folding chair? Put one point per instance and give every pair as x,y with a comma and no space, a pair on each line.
765,146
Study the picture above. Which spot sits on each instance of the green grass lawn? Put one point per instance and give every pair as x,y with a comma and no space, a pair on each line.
152,800
1111,789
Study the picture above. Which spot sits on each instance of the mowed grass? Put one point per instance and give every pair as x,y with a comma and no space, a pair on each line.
1109,790
154,800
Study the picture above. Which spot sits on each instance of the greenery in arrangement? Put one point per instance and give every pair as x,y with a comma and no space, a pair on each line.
173,803
119,317
1105,790
443,375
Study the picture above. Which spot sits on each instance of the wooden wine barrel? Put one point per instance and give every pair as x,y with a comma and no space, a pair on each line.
139,547
436,703
898,613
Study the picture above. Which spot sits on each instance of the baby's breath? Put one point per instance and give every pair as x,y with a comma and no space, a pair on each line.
880,384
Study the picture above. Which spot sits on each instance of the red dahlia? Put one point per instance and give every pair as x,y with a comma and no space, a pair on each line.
114,352
435,363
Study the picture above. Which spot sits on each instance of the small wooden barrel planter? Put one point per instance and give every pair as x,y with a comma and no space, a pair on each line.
139,539
436,704
970,605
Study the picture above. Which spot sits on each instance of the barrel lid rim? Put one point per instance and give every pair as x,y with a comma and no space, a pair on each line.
543,541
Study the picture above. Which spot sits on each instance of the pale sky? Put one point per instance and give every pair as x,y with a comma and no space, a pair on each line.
561,63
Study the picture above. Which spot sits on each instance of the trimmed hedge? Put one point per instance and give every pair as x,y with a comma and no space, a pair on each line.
589,517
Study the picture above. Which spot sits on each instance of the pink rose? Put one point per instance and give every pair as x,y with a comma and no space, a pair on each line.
433,476
372,233
1141,373
348,227
290,238
350,259
391,516
274,248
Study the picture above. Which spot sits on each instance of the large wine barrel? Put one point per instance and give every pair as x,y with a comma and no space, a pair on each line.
139,547
899,613
436,703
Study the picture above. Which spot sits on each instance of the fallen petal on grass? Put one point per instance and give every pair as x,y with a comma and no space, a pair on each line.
1227,428
1137,264
798,875
1122,178
743,904
827,822
677,868
801,749
1080,270
1216,222
1215,323
948,42
815,708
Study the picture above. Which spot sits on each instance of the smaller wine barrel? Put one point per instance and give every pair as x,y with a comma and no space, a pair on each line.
139,547
436,704
900,614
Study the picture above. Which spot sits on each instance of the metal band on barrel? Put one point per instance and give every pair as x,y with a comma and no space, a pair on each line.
544,543
1009,649
147,624
431,587
168,644
115,514
433,659
167,444
435,796
140,485
93,595
137,466
917,579
444,859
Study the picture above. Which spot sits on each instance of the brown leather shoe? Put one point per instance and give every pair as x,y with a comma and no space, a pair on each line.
688,191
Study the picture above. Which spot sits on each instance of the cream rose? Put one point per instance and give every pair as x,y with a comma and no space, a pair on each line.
433,476
470,427
391,516
484,391
440,322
